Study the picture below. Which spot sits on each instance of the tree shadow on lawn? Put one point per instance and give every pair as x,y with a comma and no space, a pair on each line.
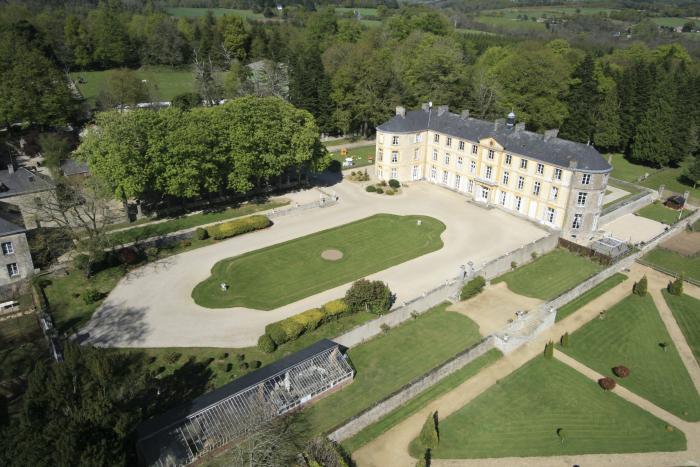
114,325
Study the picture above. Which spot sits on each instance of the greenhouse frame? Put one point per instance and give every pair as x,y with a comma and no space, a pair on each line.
182,435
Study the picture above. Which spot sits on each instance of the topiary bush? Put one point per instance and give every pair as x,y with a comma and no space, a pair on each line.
549,350
201,234
565,340
394,183
173,357
379,190
472,288
640,288
240,357
372,296
428,437
371,189
255,364
390,192
128,255
243,366
607,383
266,344
238,227
676,287
621,371
335,309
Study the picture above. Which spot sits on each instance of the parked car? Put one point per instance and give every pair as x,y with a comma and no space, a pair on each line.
675,202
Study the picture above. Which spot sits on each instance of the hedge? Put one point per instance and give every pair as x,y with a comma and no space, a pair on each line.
238,227
291,328
472,288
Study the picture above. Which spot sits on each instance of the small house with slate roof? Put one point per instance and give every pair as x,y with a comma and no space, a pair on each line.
555,182
20,191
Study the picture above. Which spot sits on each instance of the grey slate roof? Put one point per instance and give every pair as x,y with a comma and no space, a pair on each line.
8,228
72,167
22,182
555,151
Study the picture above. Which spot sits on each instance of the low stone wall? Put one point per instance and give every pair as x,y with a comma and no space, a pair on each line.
522,255
409,391
628,207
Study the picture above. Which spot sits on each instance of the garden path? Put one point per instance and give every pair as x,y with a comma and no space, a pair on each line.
391,448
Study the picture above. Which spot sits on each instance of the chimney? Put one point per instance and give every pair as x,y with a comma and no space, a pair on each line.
425,106
401,111
510,122
10,169
520,126
549,134
442,109
465,114
499,123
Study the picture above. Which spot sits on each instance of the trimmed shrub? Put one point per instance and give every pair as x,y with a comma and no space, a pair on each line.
91,296
309,319
255,364
676,287
428,437
472,288
385,328
565,340
173,357
266,344
379,190
390,192
185,244
394,183
607,384
201,233
128,255
151,253
372,296
513,265
335,309
549,350
238,227
621,371
640,288
371,189
284,331
382,183
243,366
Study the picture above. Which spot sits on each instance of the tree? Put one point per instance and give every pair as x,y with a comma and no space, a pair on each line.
204,75
310,87
234,38
692,171
108,35
77,39
676,286
123,88
82,411
582,101
565,340
606,133
372,296
549,350
653,139
428,436
54,148
640,288
187,101
164,44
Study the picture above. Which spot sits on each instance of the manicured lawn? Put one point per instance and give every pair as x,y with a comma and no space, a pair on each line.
631,189
418,402
359,156
168,82
550,275
673,180
630,335
520,416
284,273
675,262
224,364
508,23
626,170
686,310
388,362
186,222
199,12
591,295
660,213
362,11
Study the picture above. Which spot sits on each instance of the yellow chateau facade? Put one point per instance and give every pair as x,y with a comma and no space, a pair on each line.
555,182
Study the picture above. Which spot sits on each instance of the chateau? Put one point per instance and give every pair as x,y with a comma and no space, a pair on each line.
556,182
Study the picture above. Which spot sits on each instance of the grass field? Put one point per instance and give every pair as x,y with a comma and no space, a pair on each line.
630,335
199,12
549,275
673,180
631,189
359,156
520,416
388,362
548,11
284,273
509,23
362,11
670,21
186,222
626,170
660,213
591,295
686,310
167,82
675,262
418,402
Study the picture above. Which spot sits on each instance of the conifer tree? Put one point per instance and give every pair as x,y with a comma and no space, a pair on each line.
582,101
310,87
653,139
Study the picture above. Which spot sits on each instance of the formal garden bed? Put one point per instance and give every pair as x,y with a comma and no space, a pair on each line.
590,295
686,311
632,334
390,188
550,275
280,274
546,408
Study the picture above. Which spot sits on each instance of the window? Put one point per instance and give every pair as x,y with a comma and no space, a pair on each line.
472,167
491,154
415,172
523,163
521,182
581,199
381,138
502,198
433,172
518,203
380,172
436,138
416,154
435,154
484,193
449,142
7,248
536,188
444,177
460,160
380,155
394,173
12,270
461,145
509,159
540,169
489,172
549,215
578,219
394,156
585,179
418,138
470,186
475,148
554,194
506,177
557,174
447,159
394,140
458,180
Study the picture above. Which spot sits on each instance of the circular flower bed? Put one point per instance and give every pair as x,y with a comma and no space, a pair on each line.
607,383
621,371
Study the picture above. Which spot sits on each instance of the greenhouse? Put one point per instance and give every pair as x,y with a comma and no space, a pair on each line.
609,246
182,435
